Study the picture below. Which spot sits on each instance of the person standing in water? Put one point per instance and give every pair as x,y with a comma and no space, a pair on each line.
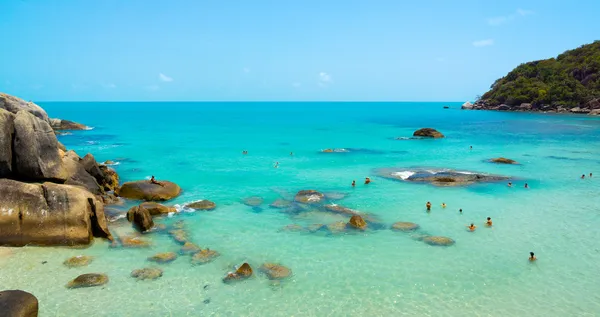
367,181
470,147
488,222
443,205
460,210
526,186
276,164
590,175
509,184
428,206
353,183
472,227
532,257
582,176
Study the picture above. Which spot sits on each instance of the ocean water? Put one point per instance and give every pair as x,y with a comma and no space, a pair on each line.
375,273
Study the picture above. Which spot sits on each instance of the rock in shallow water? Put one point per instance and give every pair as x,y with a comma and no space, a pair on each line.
437,240
503,160
253,201
17,303
309,197
280,204
428,133
357,222
189,247
145,190
275,271
204,256
202,205
156,209
134,242
164,257
405,226
78,261
147,273
439,177
88,280
141,218
242,273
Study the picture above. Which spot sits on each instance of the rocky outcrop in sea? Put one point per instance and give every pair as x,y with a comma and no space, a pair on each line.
592,107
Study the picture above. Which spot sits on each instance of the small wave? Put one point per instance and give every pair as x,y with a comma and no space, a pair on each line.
404,174
89,128
183,208
115,218
112,164
91,142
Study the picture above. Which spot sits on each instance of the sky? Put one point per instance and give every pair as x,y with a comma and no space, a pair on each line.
278,50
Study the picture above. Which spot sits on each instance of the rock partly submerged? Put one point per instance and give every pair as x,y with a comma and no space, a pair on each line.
204,256
357,222
78,261
275,271
280,204
156,209
147,273
405,226
141,218
438,241
164,257
438,177
253,201
148,191
88,280
503,160
17,303
66,125
202,205
242,273
428,133
309,197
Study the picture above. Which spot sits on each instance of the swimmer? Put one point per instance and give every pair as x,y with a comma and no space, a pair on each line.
428,206
276,164
472,227
532,257
443,205
291,153
582,176
460,210
590,175
367,180
353,183
509,184
471,147
488,222
526,186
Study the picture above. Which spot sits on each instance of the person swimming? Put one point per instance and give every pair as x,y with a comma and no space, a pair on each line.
276,164
472,227
428,206
353,183
590,175
526,186
509,184
470,147
582,176
460,210
488,222
244,152
291,153
443,205
532,257
367,180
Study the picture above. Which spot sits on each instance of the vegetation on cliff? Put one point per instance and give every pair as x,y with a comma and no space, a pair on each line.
571,79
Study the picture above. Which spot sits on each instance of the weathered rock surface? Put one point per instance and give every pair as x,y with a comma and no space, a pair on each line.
111,178
275,271
49,214
7,131
204,256
35,149
405,226
202,205
428,133
467,106
438,178
88,280
179,235
436,240
78,176
164,257
309,197
156,209
145,190
61,125
14,104
147,273
17,303
357,222
242,273
134,242
189,248
78,261
503,160
253,201
140,217
280,204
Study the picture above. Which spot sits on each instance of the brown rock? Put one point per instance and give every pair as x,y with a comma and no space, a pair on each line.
179,235
293,228
17,303
503,160
14,104
243,272
357,222
280,204
428,133
164,257
147,273
49,214
275,271
405,226
88,280
7,131
145,190
253,201
189,247
309,197
63,125
141,218
134,242
438,241
78,261
111,178
156,209
337,227
202,205
204,256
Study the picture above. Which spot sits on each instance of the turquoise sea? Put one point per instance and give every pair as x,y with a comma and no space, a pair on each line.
376,273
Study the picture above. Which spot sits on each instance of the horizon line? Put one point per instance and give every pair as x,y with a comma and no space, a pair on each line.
250,101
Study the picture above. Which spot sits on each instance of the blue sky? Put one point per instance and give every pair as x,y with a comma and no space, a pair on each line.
278,50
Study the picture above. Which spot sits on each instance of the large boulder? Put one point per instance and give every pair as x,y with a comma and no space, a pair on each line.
91,167
17,303
35,149
428,133
78,176
156,209
14,104
88,280
309,197
357,222
141,218
242,273
111,178
593,104
7,131
60,125
595,112
49,214
145,190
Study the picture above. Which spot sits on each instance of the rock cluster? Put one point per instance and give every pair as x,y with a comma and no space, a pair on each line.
591,107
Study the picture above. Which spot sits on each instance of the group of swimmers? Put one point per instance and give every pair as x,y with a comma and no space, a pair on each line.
367,181
510,185
583,176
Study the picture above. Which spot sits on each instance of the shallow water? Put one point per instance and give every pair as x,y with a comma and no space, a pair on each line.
376,273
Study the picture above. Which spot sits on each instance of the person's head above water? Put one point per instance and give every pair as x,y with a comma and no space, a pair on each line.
489,218
531,254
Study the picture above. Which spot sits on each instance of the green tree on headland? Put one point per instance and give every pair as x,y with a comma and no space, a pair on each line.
571,79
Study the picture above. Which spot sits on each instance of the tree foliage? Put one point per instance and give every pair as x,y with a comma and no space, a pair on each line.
571,79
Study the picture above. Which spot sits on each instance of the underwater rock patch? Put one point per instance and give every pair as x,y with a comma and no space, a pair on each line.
88,280
147,273
78,261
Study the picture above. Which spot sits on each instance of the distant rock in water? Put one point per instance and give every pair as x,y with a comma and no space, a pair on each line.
145,190
439,241
467,106
253,201
275,271
442,177
204,256
309,197
63,125
88,280
147,273
242,273
280,203
164,257
428,133
357,222
446,107
78,261
503,160
334,151
17,303
405,226
202,205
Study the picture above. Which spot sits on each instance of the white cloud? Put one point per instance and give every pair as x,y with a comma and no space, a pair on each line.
296,85
481,43
153,87
246,70
324,79
505,18
164,77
